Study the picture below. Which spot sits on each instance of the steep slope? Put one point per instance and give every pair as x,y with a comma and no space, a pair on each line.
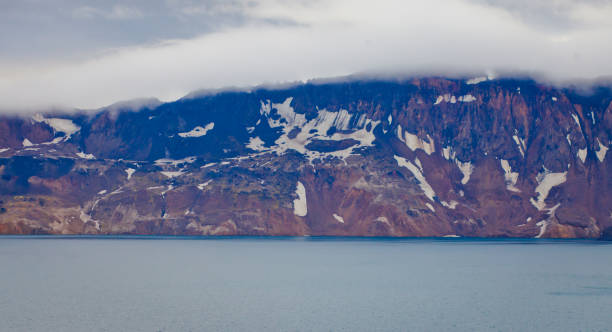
422,157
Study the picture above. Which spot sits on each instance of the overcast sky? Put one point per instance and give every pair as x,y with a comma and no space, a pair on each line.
88,54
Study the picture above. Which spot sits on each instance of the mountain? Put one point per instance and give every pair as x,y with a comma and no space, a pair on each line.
419,157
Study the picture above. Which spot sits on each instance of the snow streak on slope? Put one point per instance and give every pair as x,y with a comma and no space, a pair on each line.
520,143
130,172
601,153
477,80
414,142
85,155
582,153
300,206
65,126
466,169
546,180
172,174
427,189
174,162
317,128
577,121
545,223
201,186
198,131
448,98
509,176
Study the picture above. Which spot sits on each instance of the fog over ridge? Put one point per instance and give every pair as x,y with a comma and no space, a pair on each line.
248,43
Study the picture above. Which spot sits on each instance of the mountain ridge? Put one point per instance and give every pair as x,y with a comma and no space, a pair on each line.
418,157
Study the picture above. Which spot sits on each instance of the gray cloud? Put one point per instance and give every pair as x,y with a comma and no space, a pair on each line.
116,12
552,15
165,49
76,29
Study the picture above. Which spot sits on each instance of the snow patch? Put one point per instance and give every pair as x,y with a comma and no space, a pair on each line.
174,162
520,143
466,168
601,153
198,131
448,153
554,98
509,176
129,172
201,186
300,206
173,174
451,205
543,226
546,180
338,218
476,80
154,188
65,126
448,98
163,193
26,142
577,121
414,142
102,192
417,162
390,119
316,128
582,153
4,150
467,98
423,184
83,155
430,207
116,191
85,218
285,111
255,143
545,223
55,140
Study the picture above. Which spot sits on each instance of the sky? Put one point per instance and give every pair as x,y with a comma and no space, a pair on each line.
64,54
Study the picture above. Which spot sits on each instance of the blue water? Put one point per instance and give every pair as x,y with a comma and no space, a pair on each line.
303,284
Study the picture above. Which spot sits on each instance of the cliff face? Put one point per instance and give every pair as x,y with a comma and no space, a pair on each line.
425,157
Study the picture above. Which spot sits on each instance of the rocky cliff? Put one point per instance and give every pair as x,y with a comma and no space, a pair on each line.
420,157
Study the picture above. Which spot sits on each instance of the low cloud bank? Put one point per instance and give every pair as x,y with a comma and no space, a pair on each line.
331,38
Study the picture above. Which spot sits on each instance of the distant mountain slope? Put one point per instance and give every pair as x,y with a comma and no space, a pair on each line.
422,157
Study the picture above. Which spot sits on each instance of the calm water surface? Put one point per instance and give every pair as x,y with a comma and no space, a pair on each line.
251,284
